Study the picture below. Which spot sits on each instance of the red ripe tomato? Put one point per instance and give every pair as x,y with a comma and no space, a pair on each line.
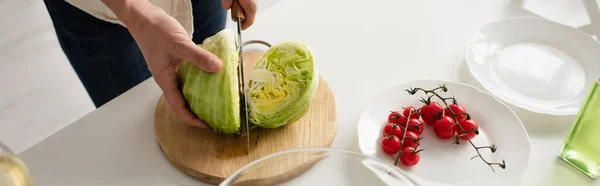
468,125
410,110
392,129
410,156
431,112
411,139
397,117
390,144
444,128
413,124
387,128
458,109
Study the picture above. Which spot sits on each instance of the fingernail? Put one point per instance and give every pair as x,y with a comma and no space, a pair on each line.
203,125
213,65
200,124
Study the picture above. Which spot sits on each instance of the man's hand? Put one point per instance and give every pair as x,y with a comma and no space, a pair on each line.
164,44
249,7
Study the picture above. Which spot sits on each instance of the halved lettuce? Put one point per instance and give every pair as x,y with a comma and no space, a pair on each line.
282,85
214,97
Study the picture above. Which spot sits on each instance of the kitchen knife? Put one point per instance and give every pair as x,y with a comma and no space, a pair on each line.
238,15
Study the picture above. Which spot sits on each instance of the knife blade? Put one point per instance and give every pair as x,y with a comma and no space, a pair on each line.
238,15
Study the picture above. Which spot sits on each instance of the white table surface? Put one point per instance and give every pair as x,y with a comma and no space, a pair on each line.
36,79
361,48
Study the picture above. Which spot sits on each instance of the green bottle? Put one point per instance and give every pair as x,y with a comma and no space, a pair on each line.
581,147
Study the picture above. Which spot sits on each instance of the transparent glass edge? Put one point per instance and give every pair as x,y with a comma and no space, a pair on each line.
231,179
5,150
378,168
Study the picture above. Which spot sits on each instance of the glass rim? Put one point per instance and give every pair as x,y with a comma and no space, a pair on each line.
4,148
237,173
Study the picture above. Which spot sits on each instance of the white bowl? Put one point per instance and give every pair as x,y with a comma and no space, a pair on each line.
443,163
534,64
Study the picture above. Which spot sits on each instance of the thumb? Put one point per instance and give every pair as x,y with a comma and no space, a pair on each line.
226,4
196,55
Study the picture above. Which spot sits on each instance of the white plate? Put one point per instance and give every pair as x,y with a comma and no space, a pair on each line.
534,64
443,162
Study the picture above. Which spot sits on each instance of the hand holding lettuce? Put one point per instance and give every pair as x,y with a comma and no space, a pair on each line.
281,86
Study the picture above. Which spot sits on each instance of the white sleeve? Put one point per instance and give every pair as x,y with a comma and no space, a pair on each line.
181,10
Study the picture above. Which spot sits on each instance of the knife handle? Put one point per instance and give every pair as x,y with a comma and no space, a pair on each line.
235,8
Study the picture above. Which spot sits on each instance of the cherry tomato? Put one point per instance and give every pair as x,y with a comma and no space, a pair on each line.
411,139
414,113
393,129
431,112
390,144
443,128
410,156
458,109
415,122
397,117
468,125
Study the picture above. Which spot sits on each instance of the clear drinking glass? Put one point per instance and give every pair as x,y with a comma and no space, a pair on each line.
581,147
13,172
318,166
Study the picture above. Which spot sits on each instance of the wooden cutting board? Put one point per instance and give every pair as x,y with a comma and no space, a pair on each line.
211,158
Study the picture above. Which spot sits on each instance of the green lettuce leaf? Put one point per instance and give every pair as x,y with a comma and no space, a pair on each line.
282,85
214,97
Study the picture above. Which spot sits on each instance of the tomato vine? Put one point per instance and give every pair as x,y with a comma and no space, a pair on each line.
432,93
414,150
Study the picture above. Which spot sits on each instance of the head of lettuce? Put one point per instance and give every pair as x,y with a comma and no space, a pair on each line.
280,89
